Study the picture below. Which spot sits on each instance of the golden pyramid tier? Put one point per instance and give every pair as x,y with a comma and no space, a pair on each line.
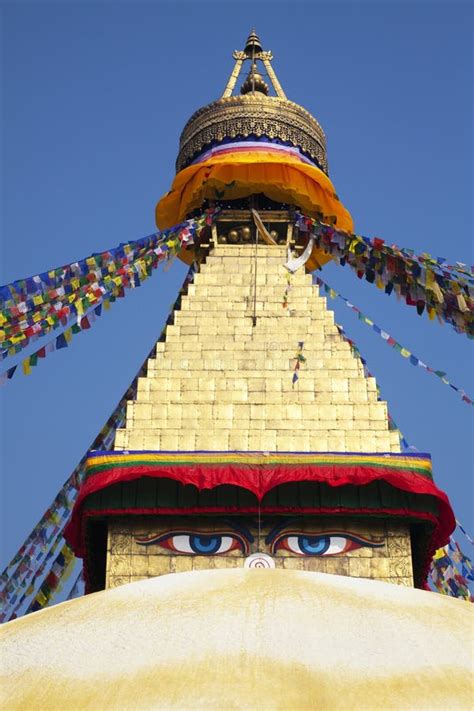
219,383
242,639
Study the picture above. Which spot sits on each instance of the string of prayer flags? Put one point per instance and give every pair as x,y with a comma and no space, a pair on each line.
36,557
299,359
451,572
466,535
61,341
48,285
77,589
60,570
33,307
84,322
390,341
42,571
17,576
62,313
444,291
19,332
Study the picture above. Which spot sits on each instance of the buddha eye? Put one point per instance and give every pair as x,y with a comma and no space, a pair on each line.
305,544
194,543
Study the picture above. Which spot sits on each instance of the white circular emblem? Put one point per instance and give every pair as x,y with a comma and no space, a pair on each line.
259,560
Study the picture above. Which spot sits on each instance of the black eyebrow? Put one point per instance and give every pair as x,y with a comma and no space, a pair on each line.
240,528
278,528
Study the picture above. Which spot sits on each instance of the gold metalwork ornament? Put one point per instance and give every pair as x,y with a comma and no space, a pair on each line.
246,234
254,82
252,114
263,56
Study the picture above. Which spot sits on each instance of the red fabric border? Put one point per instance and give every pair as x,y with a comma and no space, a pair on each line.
259,482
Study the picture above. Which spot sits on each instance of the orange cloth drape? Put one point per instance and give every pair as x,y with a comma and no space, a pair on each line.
236,175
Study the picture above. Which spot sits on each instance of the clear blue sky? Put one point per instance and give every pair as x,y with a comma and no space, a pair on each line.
94,98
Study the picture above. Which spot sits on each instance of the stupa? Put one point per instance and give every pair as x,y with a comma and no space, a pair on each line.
254,538
254,431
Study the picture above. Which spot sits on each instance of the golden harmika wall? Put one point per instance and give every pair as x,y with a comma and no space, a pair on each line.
129,560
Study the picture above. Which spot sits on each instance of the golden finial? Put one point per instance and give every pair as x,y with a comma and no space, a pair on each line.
253,44
253,52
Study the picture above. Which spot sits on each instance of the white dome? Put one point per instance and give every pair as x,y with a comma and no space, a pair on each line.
242,639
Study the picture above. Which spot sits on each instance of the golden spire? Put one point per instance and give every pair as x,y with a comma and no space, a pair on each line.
253,44
253,52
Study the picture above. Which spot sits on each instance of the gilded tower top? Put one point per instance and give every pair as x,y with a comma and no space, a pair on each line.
253,114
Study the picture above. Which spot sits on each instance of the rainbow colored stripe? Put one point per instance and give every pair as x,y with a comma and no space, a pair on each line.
415,463
253,146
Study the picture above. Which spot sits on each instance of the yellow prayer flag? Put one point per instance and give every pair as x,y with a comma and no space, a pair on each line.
437,292
68,335
38,300
75,283
2,319
462,303
106,304
405,353
26,366
41,598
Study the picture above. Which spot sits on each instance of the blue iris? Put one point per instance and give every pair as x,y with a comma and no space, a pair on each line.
205,544
313,545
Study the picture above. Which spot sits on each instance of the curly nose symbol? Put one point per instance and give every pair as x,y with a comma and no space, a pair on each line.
259,560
